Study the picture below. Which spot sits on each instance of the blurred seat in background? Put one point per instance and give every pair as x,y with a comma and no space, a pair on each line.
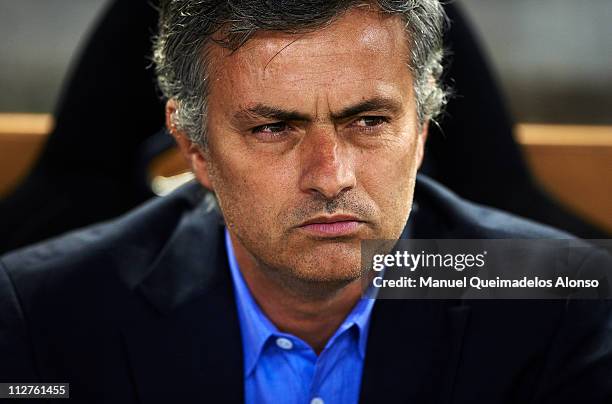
109,123
474,152
89,169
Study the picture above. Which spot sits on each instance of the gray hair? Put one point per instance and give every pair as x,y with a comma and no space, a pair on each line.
187,26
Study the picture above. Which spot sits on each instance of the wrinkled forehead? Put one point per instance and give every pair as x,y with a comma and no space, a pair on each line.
360,47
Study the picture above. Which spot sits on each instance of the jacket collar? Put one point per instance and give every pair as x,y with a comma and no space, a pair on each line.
414,346
188,349
190,262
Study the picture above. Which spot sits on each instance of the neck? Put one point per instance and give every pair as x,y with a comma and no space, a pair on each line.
309,310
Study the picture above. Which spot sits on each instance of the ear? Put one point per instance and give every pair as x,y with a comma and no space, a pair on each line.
194,155
422,139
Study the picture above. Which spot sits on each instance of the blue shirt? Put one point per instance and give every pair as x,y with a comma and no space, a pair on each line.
281,368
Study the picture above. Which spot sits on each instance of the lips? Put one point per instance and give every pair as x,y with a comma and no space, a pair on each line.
332,226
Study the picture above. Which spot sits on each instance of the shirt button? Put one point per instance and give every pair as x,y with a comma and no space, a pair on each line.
317,400
284,343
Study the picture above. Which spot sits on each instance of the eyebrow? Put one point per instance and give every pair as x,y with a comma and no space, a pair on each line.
389,105
260,111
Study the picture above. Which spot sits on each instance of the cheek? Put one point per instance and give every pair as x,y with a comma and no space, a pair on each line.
251,191
388,176
391,165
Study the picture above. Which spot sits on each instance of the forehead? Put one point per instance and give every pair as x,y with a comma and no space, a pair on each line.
362,51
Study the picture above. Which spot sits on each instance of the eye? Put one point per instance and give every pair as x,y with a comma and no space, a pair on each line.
270,131
270,128
369,122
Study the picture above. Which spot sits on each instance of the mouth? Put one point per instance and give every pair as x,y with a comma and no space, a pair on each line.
332,226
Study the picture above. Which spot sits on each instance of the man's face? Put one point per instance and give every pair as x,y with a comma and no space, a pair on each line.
314,144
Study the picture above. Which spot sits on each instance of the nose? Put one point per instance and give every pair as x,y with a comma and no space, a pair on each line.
327,164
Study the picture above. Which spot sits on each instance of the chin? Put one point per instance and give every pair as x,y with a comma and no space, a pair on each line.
339,262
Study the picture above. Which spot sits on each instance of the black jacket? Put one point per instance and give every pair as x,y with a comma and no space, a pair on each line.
141,310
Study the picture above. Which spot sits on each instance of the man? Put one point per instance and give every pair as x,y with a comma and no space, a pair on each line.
307,120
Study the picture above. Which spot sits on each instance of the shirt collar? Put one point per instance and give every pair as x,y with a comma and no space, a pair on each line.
360,317
257,328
